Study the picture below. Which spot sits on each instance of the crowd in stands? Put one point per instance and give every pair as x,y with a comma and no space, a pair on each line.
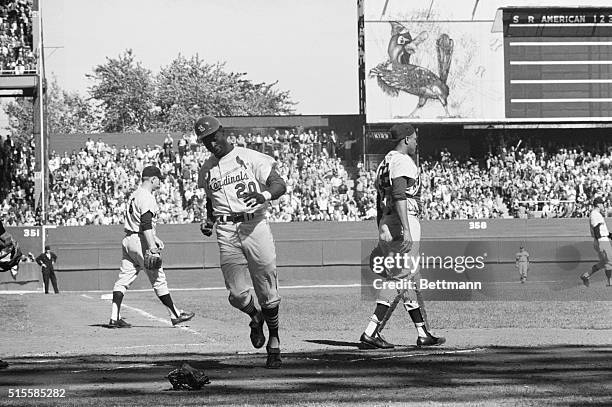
91,186
516,183
16,53
17,183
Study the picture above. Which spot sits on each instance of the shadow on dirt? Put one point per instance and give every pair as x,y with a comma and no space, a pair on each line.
568,374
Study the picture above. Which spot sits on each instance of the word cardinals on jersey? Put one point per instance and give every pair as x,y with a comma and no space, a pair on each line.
229,179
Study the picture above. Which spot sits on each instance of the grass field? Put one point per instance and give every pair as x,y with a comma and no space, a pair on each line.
497,353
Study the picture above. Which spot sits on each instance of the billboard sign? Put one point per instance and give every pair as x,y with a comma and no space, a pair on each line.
450,61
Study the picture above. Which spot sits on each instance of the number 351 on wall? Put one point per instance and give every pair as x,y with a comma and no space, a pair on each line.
477,225
31,233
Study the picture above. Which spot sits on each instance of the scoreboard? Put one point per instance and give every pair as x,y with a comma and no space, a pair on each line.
558,63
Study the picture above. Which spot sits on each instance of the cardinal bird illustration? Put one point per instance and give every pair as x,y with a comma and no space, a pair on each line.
398,74
402,45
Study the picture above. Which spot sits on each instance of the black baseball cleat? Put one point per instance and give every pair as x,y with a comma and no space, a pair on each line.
120,323
274,358
376,341
430,340
183,317
258,338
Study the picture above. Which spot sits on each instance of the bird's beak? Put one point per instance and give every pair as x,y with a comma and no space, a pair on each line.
409,48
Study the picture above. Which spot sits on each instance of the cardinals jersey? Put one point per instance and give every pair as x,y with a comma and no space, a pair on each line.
599,230
229,179
395,165
140,202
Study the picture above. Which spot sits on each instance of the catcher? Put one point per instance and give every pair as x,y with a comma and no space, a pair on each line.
10,256
142,249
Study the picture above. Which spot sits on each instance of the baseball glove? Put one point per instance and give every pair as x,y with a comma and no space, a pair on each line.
152,260
187,378
10,255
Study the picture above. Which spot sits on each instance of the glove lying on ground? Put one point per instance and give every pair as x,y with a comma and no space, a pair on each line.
187,378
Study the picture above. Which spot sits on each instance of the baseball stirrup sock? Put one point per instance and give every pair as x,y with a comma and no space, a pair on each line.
117,299
419,323
379,313
167,301
250,309
271,317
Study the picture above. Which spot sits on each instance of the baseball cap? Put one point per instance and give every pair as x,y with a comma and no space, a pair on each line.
401,130
47,247
151,171
598,200
205,126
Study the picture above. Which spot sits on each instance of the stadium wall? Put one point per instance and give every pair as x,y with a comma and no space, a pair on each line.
89,256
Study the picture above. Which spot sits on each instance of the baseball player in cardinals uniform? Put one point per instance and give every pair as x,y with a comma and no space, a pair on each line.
399,231
601,242
239,183
141,241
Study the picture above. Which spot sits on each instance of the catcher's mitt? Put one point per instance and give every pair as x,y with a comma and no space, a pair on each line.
10,256
187,378
152,260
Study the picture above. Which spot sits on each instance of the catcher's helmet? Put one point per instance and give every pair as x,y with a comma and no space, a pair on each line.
205,126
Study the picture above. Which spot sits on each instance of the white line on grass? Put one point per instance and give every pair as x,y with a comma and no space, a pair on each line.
162,320
285,287
154,318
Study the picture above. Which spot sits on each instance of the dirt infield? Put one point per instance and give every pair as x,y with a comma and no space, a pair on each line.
513,353
512,375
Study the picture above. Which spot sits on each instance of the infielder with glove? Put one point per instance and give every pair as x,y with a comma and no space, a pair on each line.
399,231
142,250
10,256
601,242
239,182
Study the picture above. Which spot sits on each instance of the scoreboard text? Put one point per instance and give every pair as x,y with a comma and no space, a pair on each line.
558,63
